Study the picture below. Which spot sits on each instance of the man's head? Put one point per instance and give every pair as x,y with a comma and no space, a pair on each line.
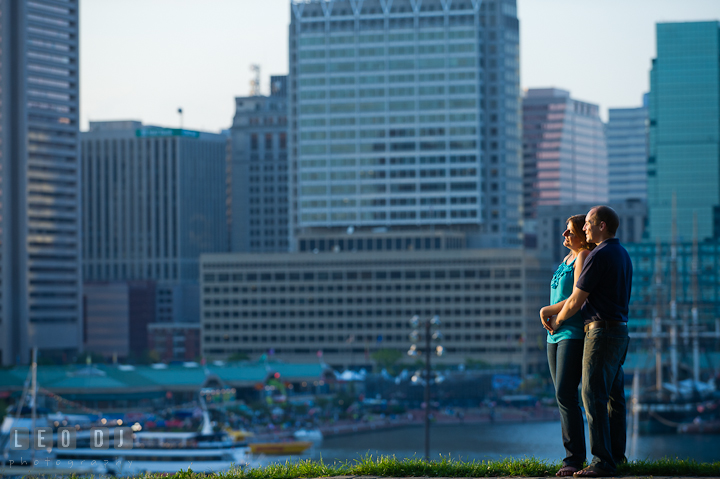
601,223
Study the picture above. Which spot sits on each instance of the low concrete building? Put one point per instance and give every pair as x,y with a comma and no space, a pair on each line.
343,306
380,239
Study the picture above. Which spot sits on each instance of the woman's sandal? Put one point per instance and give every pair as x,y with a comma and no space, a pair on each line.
566,471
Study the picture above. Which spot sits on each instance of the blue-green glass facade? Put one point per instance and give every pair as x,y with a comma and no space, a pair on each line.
646,294
684,156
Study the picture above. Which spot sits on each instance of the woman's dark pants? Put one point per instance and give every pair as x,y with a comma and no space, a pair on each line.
566,361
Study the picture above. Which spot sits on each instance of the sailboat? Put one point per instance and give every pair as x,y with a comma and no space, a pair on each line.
668,406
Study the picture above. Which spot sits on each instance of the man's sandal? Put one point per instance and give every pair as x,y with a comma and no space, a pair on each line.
566,471
592,471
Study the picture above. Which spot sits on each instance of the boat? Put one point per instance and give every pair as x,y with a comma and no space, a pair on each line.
313,435
206,451
700,427
239,435
280,448
165,452
667,406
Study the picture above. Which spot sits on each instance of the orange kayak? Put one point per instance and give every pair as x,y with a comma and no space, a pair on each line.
279,448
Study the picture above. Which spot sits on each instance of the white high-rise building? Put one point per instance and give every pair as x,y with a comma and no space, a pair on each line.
405,113
154,199
565,153
40,262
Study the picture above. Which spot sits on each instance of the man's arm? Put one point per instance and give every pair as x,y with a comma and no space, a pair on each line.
572,305
547,312
551,310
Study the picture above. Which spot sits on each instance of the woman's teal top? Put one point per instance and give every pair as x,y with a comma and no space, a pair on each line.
561,287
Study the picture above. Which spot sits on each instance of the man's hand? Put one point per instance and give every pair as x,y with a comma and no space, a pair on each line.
554,324
572,304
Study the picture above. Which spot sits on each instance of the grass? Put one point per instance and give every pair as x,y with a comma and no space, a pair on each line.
389,466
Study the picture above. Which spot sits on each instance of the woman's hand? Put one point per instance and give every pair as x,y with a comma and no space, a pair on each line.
545,315
554,325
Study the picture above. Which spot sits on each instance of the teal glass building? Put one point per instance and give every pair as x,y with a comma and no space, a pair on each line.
684,156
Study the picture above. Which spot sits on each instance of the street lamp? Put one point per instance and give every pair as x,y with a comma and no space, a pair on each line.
429,335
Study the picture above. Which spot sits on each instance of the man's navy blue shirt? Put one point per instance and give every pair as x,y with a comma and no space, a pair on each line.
607,278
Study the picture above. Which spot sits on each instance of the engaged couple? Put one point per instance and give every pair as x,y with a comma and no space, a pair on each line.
588,341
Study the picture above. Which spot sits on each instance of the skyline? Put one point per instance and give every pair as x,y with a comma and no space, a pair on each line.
202,72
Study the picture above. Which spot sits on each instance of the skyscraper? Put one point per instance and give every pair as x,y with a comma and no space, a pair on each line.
153,201
565,156
40,276
406,114
259,172
684,159
627,147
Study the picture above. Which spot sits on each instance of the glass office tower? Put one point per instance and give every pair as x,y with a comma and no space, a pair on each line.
405,113
627,144
684,157
40,276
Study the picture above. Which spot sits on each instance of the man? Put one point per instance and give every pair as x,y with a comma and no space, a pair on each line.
602,294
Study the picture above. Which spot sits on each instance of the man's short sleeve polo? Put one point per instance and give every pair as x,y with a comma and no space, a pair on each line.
607,278
592,272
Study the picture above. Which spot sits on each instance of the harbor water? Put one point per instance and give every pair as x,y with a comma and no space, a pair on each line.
493,441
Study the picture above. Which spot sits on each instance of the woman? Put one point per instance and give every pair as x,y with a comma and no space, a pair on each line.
565,346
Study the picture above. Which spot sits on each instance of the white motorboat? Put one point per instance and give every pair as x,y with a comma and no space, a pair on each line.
313,435
206,451
160,452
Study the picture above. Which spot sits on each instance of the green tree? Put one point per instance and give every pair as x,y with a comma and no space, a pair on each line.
238,357
386,359
471,363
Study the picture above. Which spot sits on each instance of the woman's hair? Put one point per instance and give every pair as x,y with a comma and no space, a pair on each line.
576,227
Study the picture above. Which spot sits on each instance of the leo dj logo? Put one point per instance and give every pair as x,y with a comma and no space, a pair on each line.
42,438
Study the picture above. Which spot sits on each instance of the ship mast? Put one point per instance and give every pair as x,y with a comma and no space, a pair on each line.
673,297
695,320
34,401
657,319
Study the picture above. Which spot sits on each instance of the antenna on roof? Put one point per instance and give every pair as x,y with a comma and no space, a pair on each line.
255,81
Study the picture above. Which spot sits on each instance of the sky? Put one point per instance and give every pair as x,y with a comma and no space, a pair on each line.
144,59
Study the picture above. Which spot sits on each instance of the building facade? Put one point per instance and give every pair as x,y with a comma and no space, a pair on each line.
627,147
40,259
154,199
117,315
345,306
685,131
564,150
404,240
174,342
178,302
259,172
405,113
